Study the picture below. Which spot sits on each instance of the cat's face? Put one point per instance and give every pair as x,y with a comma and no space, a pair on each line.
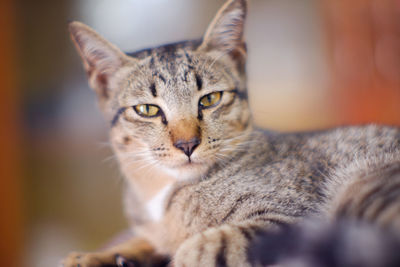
180,107
184,109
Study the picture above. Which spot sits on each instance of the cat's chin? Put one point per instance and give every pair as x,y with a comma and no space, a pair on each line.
187,170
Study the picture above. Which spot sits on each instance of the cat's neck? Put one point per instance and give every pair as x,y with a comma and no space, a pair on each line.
147,183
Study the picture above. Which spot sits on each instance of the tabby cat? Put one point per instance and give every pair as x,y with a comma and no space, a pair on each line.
201,180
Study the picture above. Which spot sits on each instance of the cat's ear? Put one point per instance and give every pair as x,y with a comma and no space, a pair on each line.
101,59
225,33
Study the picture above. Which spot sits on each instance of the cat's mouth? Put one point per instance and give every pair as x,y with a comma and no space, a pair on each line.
191,162
188,169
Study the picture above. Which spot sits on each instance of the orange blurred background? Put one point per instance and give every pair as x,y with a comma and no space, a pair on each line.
312,64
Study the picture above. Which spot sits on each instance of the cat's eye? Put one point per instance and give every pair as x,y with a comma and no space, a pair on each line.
147,110
210,100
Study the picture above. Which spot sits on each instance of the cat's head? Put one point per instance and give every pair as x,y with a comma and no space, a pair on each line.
181,106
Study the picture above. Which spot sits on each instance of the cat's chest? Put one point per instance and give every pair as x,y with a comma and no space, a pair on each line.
155,206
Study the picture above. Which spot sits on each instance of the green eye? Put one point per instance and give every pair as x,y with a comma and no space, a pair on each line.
210,100
147,110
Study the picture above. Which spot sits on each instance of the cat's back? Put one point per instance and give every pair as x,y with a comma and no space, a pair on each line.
265,155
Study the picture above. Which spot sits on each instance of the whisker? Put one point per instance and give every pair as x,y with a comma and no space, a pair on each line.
110,158
102,145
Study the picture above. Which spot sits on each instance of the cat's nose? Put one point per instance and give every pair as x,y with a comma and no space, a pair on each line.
187,146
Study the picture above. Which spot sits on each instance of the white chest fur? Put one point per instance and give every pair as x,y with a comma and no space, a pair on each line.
155,207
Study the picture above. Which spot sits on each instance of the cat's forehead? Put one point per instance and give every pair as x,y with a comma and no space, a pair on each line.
190,45
172,72
172,67
175,62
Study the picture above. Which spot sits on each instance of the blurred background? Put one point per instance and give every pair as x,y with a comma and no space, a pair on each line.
312,64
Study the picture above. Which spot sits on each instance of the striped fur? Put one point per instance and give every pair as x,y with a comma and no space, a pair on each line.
368,190
239,180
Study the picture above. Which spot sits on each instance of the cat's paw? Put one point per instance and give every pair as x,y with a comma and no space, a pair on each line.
121,261
76,259
222,246
131,259
133,252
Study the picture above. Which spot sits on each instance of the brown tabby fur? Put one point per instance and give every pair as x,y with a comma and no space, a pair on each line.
240,179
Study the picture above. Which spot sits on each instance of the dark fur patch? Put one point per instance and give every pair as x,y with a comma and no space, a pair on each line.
127,140
221,256
200,114
152,62
199,82
189,59
153,89
246,232
116,116
163,118
162,78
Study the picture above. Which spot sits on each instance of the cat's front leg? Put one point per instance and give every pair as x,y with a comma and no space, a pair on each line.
134,252
221,246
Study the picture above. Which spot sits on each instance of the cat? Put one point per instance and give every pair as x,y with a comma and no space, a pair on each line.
201,180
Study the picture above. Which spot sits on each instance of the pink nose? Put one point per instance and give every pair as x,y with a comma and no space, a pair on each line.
187,146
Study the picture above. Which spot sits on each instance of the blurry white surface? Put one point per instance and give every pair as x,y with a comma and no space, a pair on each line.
286,53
